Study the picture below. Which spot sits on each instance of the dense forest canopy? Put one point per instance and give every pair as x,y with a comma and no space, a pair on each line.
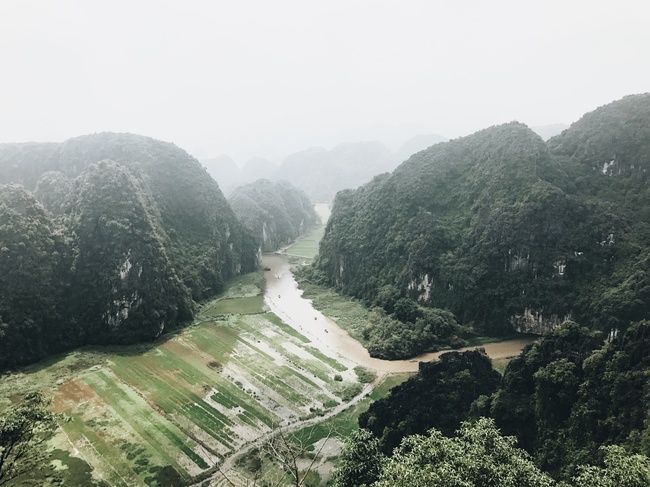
108,238
276,213
504,230
571,403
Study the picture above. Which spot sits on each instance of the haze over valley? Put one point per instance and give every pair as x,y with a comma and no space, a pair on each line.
350,244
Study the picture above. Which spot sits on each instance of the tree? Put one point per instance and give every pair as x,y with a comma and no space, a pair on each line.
621,470
23,430
360,461
288,452
478,457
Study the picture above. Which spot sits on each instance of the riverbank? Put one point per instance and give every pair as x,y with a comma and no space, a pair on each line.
284,298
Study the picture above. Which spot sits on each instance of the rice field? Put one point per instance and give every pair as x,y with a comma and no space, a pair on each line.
164,413
306,246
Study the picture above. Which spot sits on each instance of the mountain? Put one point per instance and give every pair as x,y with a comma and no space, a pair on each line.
258,168
548,131
128,233
321,173
276,213
223,170
414,145
504,230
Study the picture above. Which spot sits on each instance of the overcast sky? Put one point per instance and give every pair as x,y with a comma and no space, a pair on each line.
268,77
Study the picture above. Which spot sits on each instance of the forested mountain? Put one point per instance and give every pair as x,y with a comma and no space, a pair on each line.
504,230
276,213
126,233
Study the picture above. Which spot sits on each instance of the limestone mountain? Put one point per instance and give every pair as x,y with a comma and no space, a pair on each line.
317,171
504,230
276,213
141,232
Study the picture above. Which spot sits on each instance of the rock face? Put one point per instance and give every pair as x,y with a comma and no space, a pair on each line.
276,213
135,229
505,230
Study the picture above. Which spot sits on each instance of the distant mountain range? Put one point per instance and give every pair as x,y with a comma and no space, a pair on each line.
319,172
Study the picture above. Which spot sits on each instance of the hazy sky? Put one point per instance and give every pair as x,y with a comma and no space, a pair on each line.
273,76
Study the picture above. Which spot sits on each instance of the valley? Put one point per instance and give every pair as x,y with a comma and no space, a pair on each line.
185,408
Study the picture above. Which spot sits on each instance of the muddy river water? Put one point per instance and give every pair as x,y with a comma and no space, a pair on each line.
284,298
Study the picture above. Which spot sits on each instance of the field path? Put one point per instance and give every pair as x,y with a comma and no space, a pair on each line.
227,466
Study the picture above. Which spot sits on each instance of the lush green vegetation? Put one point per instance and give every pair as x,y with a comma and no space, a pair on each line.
439,396
563,399
23,430
110,239
276,213
479,456
503,230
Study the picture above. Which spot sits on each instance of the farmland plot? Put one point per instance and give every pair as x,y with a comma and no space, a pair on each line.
161,414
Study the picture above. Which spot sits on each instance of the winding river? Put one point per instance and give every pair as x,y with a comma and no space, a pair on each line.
284,298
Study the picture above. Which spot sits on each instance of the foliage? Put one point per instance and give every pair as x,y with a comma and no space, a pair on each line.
34,263
439,396
23,429
360,461
412,329
621,470
478,456
276,213
364,375
562,398
569,394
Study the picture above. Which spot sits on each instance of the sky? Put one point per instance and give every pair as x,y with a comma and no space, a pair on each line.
267,78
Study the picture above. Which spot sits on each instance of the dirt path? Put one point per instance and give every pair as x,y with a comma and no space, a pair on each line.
228,463
284,298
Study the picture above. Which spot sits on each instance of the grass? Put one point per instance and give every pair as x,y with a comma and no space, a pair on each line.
243,306
349,313
364,375
306,246
286,328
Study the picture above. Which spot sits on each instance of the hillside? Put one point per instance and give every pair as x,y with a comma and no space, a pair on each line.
126,233
276,213
504,230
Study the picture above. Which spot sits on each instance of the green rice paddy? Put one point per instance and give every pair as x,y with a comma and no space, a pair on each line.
186,401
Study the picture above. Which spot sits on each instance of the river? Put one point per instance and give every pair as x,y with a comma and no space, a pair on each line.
284,298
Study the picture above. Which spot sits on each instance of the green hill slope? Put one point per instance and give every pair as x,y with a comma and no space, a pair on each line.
275,212
502,229
144,231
